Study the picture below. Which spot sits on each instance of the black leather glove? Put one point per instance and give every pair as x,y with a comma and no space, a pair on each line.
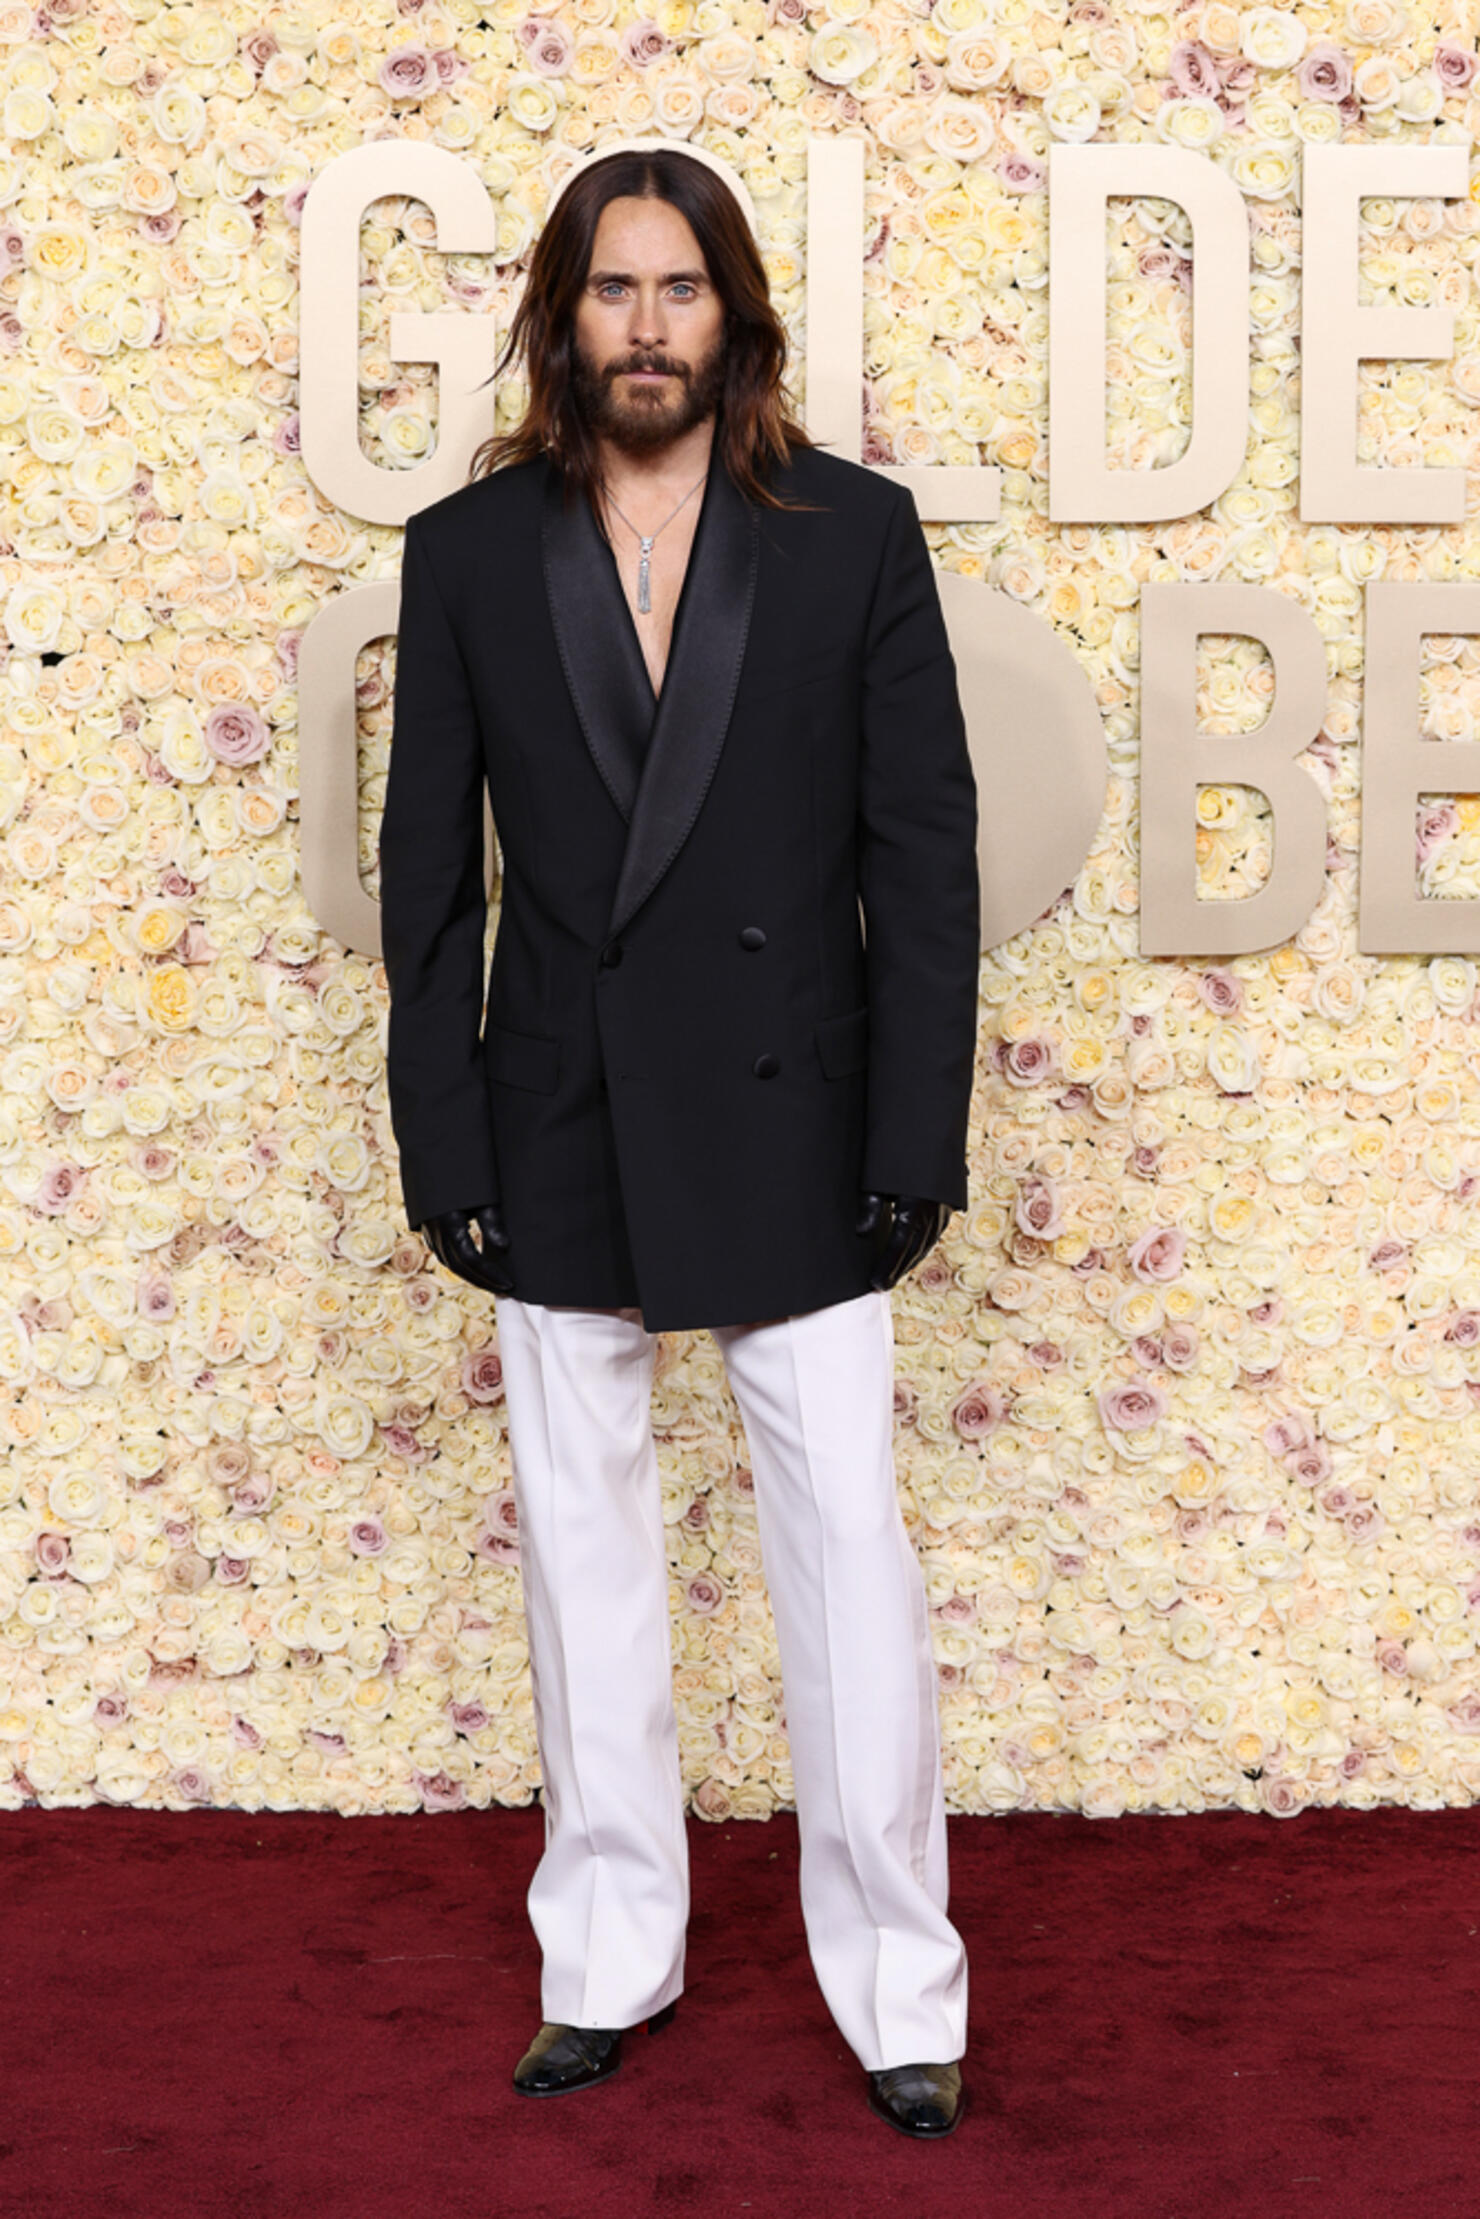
449,1236
916,1225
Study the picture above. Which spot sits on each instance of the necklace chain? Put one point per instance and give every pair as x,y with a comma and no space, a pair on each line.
645,539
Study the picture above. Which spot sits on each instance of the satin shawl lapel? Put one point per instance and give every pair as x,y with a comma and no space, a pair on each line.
599,648
661,791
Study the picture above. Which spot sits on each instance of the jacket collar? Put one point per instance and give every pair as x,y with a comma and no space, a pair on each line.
656,757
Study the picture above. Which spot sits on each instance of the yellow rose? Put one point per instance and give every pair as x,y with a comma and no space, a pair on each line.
171,998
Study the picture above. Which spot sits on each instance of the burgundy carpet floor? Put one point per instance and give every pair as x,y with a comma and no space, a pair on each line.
215,2015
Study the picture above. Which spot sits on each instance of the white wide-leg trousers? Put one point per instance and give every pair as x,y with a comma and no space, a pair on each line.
609,1901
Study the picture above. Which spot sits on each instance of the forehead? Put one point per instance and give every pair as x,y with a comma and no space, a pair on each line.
649,235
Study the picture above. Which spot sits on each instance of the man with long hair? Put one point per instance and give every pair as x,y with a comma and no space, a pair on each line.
701,670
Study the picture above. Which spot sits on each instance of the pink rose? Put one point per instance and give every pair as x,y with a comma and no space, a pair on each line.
1038,1209
237,734
978,1411
1028,1062
1311,1464
52,1552
408,73
1284,1434
1022,173
1324,73
439,1793
58,1185
1179,1347
468,1718
1453,67
712,1799
1193,69
497,1548
643,43
704,1593
1222,991
547,46
1160,262
401,1441
368,1537
1158,1254
1131,1405
1434,824
482,1375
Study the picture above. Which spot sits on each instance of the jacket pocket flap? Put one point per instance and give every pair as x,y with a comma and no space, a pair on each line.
842,1043
522,1058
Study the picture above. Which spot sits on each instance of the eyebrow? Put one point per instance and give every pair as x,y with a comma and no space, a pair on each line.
626,277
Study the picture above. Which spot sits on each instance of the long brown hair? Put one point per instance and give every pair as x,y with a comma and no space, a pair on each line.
753,423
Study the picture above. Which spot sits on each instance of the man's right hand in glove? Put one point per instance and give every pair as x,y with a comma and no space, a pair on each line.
449,1236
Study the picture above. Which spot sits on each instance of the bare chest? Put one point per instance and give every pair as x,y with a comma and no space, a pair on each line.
668,561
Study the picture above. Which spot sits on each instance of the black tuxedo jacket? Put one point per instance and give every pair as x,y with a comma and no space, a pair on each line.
692,1058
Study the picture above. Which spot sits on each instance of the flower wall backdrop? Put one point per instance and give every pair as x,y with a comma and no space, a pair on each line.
1188,1400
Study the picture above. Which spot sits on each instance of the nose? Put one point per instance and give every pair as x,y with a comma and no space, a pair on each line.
647,320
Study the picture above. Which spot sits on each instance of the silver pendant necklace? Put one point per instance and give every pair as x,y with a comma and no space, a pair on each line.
645,542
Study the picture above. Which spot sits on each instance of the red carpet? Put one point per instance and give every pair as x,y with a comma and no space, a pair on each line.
297,2016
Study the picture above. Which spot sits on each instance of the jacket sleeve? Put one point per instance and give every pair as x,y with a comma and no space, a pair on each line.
433,910
917,881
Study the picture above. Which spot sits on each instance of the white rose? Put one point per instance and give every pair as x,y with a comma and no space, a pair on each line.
839,52
1270,39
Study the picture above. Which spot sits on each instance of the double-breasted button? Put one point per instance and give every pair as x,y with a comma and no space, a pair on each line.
752,937
766,1067
611,954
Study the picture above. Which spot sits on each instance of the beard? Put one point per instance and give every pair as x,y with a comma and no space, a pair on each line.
640,420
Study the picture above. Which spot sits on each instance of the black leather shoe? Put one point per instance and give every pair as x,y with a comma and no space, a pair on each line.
918,2099
563,2058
